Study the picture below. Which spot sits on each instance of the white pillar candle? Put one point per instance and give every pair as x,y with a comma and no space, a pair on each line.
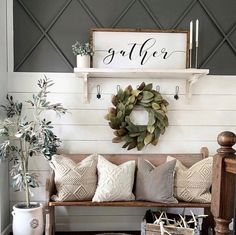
191,35
197,28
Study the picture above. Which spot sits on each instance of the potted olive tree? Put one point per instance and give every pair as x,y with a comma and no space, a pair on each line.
24,138
83,52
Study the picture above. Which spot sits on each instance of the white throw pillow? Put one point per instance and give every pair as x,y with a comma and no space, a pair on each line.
193,184
115,183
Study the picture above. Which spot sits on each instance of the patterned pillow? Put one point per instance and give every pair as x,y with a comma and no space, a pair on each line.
115,183
155,183
193,184
74,181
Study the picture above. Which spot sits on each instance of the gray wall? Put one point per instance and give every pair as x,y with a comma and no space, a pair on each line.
4,190
45,30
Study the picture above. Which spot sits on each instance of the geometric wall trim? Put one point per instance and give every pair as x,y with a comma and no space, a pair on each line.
45,30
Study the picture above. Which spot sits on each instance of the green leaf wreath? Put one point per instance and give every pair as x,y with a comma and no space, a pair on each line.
119,116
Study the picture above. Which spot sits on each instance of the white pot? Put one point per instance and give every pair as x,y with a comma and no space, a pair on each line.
83,61
28,221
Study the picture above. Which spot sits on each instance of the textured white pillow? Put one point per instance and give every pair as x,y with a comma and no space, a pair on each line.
193,184
115,183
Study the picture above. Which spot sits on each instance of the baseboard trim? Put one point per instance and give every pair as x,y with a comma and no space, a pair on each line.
7,230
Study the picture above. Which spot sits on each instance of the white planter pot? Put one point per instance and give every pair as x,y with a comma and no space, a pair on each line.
28,221
83,61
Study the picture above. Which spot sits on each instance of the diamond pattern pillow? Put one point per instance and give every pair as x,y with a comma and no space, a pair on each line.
115,183
193,184
74,181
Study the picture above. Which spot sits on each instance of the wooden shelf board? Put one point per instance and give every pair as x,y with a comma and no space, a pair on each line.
138,73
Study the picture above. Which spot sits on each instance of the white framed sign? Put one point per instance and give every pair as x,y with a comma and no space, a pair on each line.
130,48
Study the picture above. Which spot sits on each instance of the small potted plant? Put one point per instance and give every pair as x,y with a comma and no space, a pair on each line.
83,52
22,139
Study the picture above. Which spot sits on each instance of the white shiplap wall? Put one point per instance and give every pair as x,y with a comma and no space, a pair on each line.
211,110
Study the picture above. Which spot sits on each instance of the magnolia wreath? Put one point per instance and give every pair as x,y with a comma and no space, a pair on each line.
119,116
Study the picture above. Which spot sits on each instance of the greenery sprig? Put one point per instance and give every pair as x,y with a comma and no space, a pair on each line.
119,116
82,48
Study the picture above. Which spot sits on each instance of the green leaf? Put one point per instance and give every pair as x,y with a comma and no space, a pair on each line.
107,116
125,145
150,129
158,98
147,95
157,133
163,107
120,95
127,138
131,99
151,118
121,106
146,102
127,119
136,92
140,146
142,128
129,109
148,105
159,114
148,139
119,114
166,122
148,87
155,106
132,145
132,128
135,134
142,137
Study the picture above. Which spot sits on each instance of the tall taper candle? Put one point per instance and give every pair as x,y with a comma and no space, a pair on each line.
196,43
190,44
197,28
191,35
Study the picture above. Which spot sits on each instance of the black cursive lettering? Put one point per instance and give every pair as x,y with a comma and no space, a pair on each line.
143,51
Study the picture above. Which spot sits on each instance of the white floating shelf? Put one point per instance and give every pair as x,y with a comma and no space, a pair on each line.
191,75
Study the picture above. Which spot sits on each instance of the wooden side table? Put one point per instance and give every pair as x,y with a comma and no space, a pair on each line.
223,185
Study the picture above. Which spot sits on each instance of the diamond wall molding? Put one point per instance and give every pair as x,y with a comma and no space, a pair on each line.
121,13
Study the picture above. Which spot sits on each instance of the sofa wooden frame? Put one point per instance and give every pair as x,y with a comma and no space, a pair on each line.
156,159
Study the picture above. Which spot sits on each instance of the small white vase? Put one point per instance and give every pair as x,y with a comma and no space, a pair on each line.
28,221
83,61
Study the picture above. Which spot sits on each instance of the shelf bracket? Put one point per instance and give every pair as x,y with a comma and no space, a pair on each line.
85,87
189,83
